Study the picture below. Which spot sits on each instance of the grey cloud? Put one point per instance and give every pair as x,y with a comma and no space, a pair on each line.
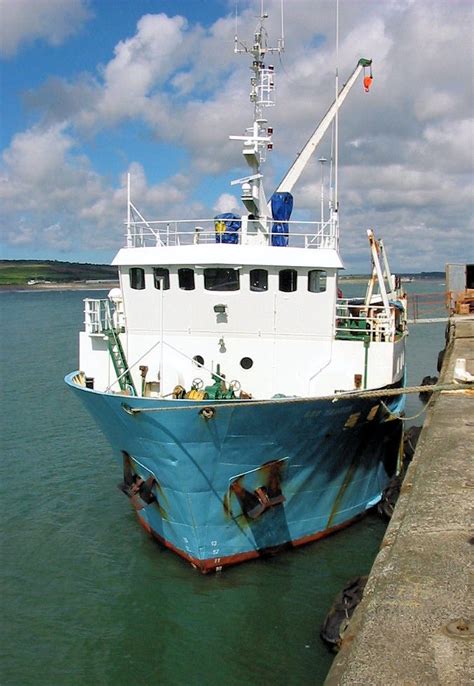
59,100
23,21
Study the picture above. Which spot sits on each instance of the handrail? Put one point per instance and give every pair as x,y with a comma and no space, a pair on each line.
357,321
167,233
98,315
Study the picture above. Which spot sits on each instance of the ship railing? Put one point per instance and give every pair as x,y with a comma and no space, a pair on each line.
99,316
170,233
357,321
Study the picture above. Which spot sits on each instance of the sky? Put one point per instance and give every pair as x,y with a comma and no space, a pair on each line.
94,89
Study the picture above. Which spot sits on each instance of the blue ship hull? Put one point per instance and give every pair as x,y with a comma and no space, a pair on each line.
253,477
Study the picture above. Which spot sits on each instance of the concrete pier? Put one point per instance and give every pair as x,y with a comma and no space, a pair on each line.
415,624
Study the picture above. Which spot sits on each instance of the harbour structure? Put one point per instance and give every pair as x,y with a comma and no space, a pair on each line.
460,288
223,369
414,624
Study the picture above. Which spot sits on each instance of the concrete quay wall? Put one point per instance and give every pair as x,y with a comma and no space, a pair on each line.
415,624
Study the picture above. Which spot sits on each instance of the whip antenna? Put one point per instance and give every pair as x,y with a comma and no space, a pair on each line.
281,41
336,122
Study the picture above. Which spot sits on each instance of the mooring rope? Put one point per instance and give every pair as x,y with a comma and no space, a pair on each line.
335,397
397,415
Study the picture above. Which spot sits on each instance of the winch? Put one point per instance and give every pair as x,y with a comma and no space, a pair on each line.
219,390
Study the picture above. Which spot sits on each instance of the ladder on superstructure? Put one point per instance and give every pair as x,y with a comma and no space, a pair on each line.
118,357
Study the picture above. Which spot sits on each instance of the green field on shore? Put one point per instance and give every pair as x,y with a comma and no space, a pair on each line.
19,272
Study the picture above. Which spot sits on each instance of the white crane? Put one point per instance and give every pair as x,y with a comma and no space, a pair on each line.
296,169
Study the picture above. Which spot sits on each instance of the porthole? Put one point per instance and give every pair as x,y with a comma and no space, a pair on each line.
246,362
198,360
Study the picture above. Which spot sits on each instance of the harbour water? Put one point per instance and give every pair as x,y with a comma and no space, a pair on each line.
87,597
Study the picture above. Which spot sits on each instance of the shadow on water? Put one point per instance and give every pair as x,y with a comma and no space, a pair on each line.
87,596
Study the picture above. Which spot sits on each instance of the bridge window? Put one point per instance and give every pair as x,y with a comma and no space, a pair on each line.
288,280
221,279
137,278
258,280
186,279
317,280
161,275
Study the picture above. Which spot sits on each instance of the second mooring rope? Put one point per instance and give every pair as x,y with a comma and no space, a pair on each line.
335,397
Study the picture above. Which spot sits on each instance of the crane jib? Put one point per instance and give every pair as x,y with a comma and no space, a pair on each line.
296,169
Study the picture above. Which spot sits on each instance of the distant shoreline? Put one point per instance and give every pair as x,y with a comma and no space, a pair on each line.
65,286
353,279
105,285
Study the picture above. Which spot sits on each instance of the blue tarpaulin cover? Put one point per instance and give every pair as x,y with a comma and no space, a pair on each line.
227,226
282,205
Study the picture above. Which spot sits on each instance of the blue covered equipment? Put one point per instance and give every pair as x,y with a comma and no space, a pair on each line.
227,226
282,205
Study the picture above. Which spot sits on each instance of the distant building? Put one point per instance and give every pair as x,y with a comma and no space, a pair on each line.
460,288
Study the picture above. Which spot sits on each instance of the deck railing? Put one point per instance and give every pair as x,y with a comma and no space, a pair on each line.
356,321
423,306
166,233
98,315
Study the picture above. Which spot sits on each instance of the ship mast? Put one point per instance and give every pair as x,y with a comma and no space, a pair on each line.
334,211
258,137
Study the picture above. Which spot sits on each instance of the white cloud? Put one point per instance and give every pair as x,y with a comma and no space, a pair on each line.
23,21
21,234
55,237
406,148
226,202
44,177
36,156
140,64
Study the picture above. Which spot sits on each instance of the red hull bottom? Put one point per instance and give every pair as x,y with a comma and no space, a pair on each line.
209,565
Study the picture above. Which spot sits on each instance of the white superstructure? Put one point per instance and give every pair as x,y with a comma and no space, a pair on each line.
273,310
266,317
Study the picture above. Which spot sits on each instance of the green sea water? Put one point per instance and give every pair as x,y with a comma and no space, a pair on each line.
87,597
